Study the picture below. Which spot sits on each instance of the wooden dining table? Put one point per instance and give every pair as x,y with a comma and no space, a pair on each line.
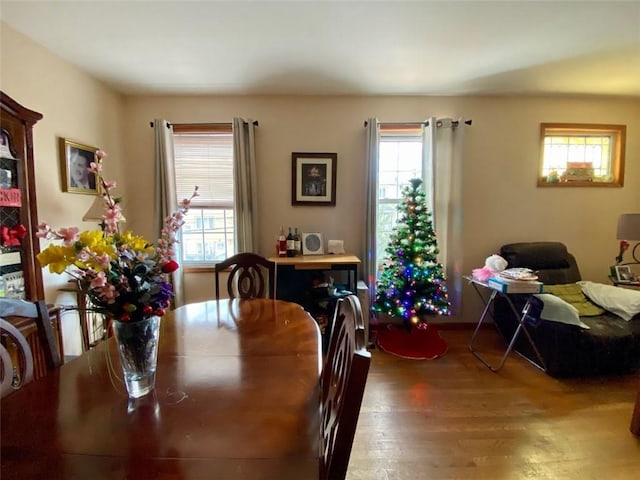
236,397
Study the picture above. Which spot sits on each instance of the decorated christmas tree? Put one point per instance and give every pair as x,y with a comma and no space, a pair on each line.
412,283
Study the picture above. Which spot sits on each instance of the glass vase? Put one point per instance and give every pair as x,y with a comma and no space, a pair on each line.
138,350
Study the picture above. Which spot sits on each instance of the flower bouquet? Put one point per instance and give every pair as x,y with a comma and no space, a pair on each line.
624,246
125,277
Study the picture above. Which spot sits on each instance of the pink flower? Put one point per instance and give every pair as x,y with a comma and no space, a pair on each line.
108,293
95,167
68,235
100,280
84,255
44,230
104,261
186,202
111,214
100,154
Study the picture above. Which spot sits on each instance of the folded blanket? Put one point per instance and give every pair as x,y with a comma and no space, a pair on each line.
572,293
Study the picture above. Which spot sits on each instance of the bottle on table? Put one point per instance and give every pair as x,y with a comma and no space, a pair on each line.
297,242
282,243
291,245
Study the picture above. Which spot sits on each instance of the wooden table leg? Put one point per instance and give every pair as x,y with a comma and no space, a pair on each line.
635,418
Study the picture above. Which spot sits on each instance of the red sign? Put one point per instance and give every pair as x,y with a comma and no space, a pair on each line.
10,197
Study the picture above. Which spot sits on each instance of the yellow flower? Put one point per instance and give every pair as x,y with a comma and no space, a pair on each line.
57,257
136,243
96,242
99,245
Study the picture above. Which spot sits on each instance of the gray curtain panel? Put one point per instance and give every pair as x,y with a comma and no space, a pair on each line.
245,185
165,194
369,267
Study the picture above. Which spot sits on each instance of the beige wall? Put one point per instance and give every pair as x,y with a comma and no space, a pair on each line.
501,202
74,106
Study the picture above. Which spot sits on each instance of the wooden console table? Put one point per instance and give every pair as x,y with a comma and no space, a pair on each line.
348,263
295,278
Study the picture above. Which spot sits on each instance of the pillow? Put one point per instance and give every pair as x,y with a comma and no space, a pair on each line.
572,293
623,302
556,309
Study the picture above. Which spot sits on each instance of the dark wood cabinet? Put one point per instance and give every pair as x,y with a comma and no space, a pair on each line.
20,272
18,207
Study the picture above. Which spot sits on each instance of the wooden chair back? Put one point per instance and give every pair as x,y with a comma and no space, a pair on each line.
13,378
250,276
11,308
343,381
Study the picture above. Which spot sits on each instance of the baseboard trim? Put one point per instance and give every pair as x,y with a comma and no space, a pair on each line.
447,325
463,326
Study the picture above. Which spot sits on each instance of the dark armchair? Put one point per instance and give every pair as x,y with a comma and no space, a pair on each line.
610,345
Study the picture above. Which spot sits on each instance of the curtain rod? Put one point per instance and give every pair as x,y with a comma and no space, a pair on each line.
255,122
426,123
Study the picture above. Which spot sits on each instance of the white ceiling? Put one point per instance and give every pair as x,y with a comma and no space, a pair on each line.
343,47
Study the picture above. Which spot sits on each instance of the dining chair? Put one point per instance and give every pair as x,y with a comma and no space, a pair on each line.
343,381
250,276
39,313
12,379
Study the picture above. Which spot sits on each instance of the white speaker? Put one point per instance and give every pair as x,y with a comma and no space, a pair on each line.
312,244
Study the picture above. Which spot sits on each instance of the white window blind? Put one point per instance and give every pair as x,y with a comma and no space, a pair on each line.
204,157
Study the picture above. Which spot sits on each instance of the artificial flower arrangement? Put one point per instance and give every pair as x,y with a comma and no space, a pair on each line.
624,246
125,277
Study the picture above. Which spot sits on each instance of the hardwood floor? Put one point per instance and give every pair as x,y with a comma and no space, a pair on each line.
454,418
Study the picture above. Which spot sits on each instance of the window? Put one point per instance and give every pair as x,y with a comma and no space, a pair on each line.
204,157
582,155
399,160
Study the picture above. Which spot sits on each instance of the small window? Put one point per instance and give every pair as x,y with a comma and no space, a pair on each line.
204,157
582,155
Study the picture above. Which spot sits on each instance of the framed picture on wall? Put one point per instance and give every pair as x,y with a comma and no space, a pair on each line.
313,178
75,160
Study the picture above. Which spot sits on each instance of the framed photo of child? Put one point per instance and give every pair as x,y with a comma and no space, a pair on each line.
75,159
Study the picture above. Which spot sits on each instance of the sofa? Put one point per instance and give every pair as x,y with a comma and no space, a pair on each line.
603,343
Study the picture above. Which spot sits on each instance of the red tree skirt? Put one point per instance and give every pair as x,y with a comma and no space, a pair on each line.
423,342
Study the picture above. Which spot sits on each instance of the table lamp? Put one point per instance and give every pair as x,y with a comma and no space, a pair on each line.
96,210
629,229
